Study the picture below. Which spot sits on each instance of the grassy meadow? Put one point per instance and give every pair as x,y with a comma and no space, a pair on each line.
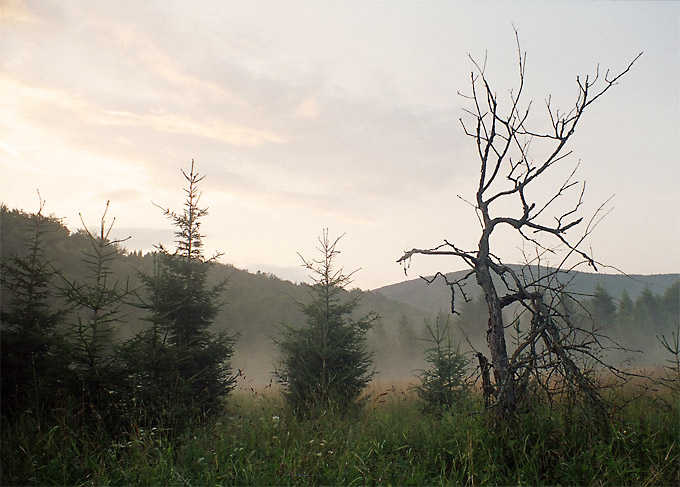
391,441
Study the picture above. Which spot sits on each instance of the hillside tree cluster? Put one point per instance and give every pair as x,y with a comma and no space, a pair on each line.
65,354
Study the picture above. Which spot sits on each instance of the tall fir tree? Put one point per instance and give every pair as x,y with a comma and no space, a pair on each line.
184,367
325,363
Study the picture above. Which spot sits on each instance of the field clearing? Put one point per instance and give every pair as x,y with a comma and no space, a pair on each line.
259,441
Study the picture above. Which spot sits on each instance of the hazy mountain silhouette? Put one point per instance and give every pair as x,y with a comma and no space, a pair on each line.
437,296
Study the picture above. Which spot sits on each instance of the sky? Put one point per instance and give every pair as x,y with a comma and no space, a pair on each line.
340,115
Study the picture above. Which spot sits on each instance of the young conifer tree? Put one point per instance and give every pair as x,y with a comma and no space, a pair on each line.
179,350
31,363
443,382
98,303
325,363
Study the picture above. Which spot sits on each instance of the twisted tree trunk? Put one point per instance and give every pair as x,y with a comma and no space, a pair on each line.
495,337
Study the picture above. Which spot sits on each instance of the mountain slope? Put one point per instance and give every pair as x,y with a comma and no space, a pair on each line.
437,296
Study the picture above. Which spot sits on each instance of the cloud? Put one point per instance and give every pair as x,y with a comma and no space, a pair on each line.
16,12
291,136
9,149
121,195
174,123
56,110
154,58
309,108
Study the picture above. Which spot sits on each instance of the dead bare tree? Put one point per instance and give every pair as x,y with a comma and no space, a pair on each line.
549,349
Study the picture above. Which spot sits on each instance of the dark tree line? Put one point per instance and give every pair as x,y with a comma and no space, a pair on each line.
638,322
621,318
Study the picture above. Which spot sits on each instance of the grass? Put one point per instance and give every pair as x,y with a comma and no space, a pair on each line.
390,442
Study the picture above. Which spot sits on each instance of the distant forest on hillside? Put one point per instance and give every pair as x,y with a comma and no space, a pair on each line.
632,310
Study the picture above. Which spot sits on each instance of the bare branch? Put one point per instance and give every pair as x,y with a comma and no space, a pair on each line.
553,345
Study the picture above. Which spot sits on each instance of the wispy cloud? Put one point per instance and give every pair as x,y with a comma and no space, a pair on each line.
17,97
158,61
173,123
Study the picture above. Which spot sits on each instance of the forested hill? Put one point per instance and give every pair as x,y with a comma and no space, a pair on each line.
437,296
636,312
255,304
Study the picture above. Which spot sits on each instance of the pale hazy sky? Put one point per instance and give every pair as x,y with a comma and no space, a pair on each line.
305,115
